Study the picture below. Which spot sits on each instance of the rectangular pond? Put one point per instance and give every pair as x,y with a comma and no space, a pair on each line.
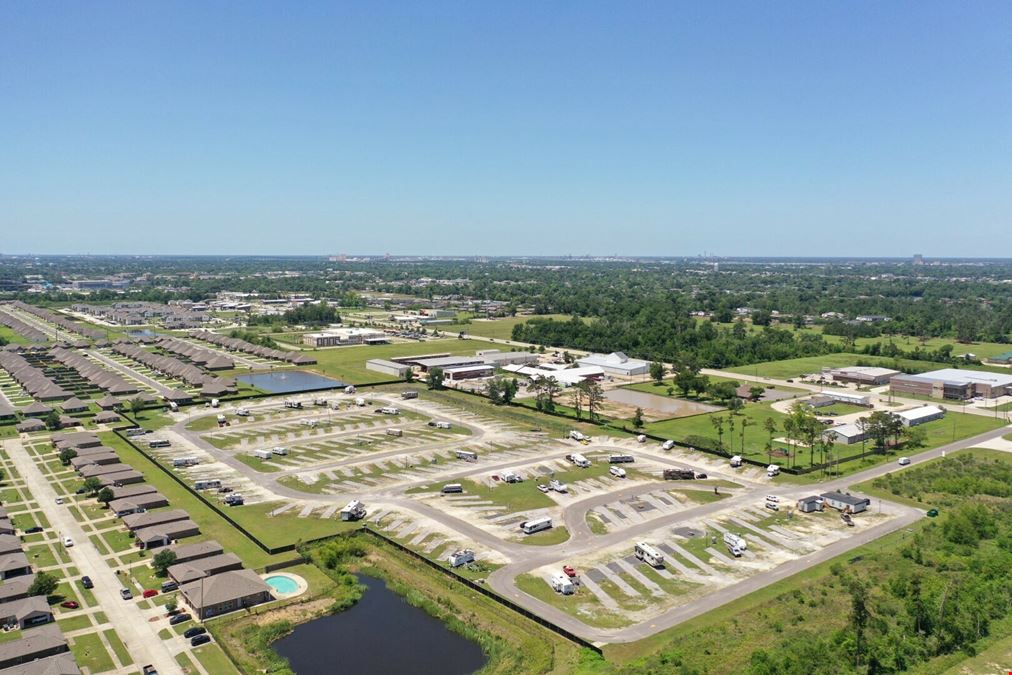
288,381
380,635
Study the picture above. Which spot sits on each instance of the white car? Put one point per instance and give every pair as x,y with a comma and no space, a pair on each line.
68,542
904,461
617,471
59,500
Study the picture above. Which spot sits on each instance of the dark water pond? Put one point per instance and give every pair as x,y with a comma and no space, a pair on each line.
381,635
142,332
288,381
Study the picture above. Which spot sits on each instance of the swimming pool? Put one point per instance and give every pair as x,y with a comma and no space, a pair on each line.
282,584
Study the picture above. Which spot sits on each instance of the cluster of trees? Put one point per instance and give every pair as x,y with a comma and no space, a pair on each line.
501,390
313,314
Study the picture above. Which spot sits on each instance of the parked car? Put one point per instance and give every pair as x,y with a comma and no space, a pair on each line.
33,530
149,670
200,640
86,582
150,593
169,586
568,571
68,542
69,604
80,490
178,619
904,461
125,593
59,500
194,632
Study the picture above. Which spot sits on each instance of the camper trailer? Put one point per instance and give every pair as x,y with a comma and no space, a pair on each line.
215,403
297,405
536,525
355,510
620,459
360,402
467,455
409,394
389,410
242,412
560,583
648,554
679,474
185,461
394,432
442,425
617,471
234,499
452,488
641,439
173,406
321,402
207,484
263,454
159,443
667,445
736,461
461,557
350,389
772,470
557,485
280,450
511,477
576,435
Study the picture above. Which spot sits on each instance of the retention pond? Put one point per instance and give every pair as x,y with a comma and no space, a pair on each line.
380,635
289,381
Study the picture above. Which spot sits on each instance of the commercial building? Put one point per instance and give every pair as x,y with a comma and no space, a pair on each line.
616,363
225,592
847,397
498,359
863,375
566,377
467,372
845,433
335,337
915,416
953,383
446,362
845,502
391,368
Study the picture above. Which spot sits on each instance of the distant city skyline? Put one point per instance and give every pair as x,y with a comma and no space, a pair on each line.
743,130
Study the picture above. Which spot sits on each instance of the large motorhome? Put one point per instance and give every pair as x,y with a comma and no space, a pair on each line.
648,554
560,583
735,544
207,484
409,394
461,557
579,460
467,455
620,459
185,461
536,525
159,443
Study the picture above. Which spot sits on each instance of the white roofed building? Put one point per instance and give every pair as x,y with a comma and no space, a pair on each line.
616,363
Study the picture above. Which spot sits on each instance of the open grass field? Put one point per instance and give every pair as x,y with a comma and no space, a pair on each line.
348,363
11,336
500,329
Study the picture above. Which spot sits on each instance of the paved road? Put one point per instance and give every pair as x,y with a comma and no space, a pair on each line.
139,636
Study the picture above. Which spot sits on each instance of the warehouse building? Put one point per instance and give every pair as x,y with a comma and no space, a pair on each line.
392,368
847,397
953,383
845,502
915,416
847,434
616,363
863,375
447,362
467,372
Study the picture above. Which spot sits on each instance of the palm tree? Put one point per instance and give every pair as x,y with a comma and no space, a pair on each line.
745,423
718,423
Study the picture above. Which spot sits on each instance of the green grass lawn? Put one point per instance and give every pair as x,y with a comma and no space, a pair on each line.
556,535
514,496
117,646
90,653
214,660
583,604
74,623
348,363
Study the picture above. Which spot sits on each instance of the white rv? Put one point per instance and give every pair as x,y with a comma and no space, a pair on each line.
185,461
734,541
350,389
772,470
736,461
215,403
280,450
242,412
355,510
536,525
467,455
263,454
648,554
641,439
389,410
557,485
560,583
394,432
207,484
617,471
576,435
667,445
461,557
579,460
360,402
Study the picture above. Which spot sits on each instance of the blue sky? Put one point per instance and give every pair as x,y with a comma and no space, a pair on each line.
661,128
